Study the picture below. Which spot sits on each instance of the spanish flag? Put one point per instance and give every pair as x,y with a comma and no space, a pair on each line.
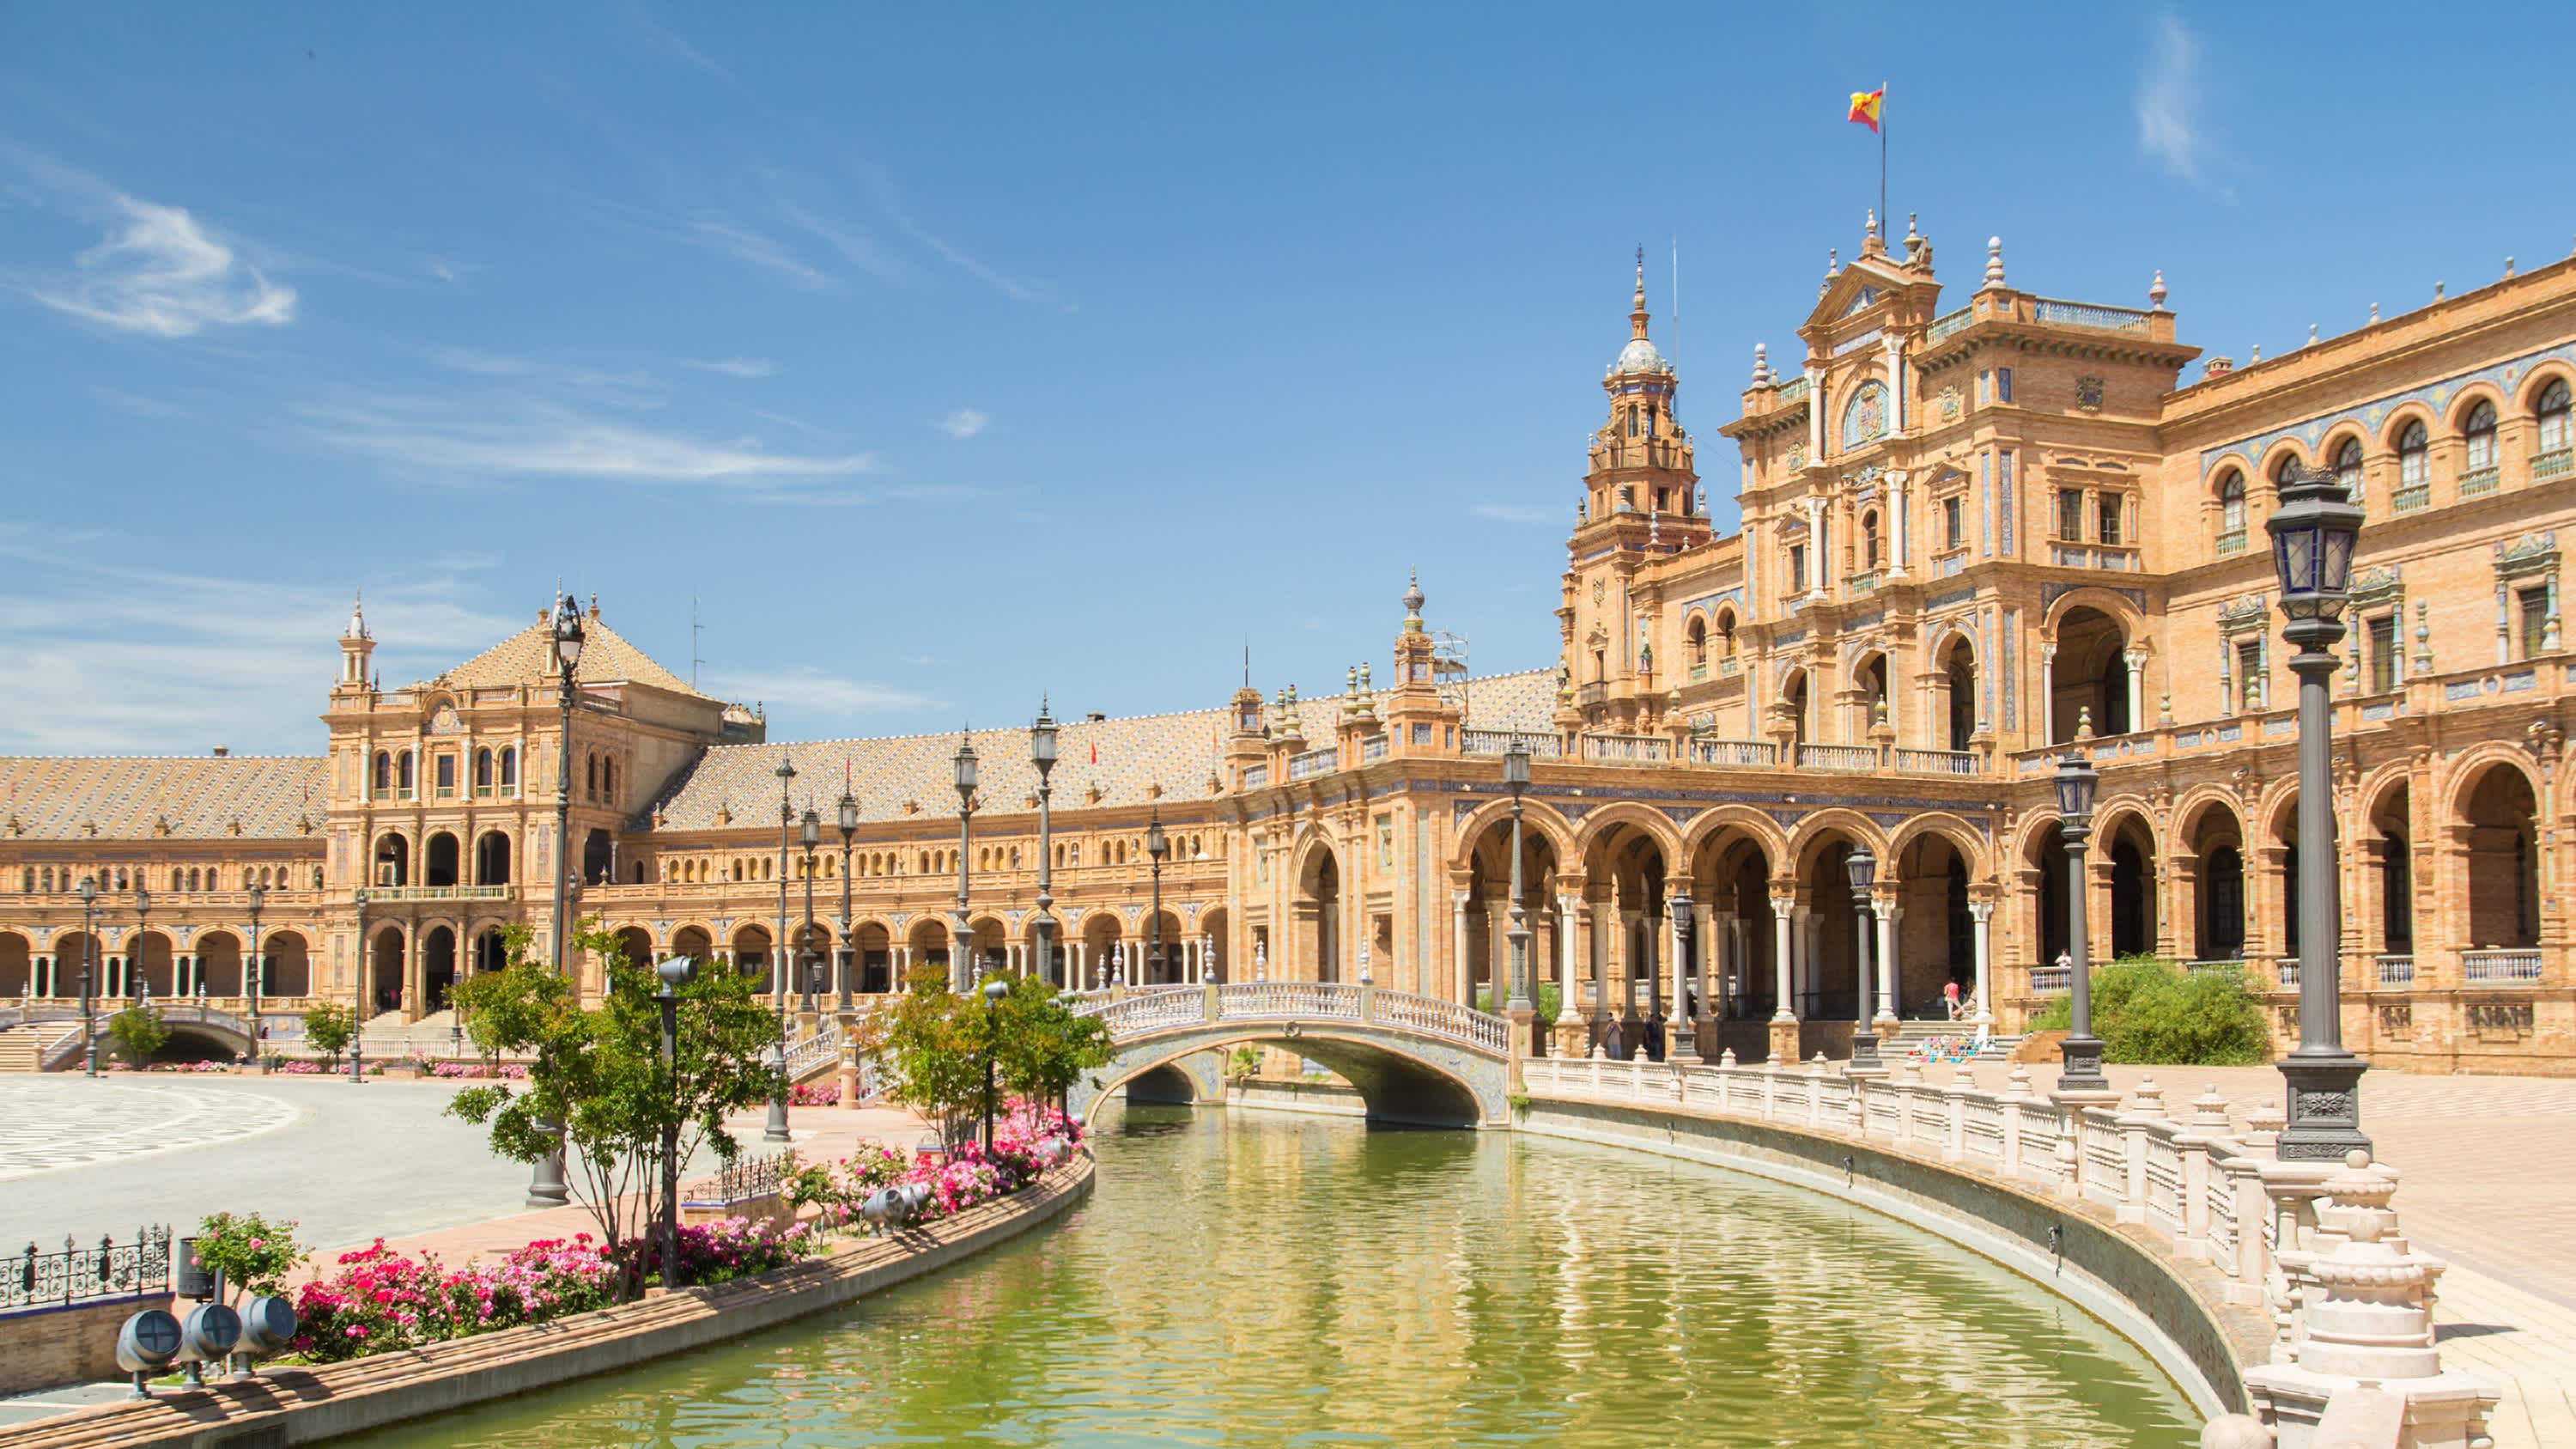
1865,104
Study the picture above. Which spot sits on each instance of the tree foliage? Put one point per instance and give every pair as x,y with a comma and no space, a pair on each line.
329,1027
597,1070
937,1043
2151,1012
136,1033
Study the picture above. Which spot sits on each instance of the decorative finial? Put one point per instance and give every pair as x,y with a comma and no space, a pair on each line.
1833,261
2508,266
2258,354
2312,334
2084,723
2374,314
1994,261
2437,289
1413,600
1641,277
2156,291
1871,224
1913,234
1761,365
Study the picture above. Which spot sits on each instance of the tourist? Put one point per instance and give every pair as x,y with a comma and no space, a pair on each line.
1950,999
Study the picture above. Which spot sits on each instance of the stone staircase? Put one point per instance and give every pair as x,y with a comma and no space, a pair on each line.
386,1035
1911,1035
21,1047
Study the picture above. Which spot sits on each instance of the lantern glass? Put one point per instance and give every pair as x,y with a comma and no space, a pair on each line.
810,830
849,813
1157,844
1862,868
2075,782
1042,740
1516,766
142,899
568,633
965,769
258,897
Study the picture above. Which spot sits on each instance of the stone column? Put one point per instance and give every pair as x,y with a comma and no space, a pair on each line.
1568,1010
2136,659
2047,692
1982,913
1466,986
1885,910
1628,921
1784,1017
1704,919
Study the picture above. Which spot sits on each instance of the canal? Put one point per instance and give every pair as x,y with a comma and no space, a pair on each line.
1253,1278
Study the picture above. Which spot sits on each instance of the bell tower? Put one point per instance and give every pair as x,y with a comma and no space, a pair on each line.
1640,501
357,647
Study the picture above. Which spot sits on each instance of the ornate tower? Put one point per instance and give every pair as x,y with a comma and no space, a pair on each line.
1641,500
357,647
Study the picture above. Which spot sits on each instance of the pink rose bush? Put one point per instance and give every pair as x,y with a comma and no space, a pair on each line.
719,1252
815,1094
381,1300
478,1071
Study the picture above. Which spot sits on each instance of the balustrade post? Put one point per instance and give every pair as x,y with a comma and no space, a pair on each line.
2147,1107
2015,1093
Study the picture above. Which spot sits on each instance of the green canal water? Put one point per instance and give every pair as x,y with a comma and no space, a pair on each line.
1255,1278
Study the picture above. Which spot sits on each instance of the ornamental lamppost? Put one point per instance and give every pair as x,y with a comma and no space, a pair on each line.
358,992
849,949
89,961
776,1128
962,935
810,834
667,997
136,987
1517,1006
995,990
251,981
2313,533
1157,846
546,1188
1042,755
1861,868
2081,1054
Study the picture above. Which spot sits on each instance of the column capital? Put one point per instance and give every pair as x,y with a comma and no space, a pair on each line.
1982,910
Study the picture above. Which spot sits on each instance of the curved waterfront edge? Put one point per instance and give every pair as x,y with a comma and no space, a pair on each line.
309,1405
2120,1275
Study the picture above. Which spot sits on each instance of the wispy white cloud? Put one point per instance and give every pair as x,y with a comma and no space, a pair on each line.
758,249
2169,102
431,436
744,367
818,693
855,244
1511,513
671,45
964,423
881,187
237,661
159,272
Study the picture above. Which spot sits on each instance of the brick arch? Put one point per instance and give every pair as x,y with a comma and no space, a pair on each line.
1707,825
1536,815
2408,412
1954,831
2034,835
2103,601
2271,459
1599,823
2528,403
2471,767
1811,832
2456,411
2195,804
2108,815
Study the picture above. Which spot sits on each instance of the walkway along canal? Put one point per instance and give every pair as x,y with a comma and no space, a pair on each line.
1254,1278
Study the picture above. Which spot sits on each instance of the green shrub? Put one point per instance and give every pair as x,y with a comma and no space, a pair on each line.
1550,999
137,1032
2151,1012
328,1027
254,1255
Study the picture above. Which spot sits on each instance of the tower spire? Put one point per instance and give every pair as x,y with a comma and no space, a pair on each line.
1637,305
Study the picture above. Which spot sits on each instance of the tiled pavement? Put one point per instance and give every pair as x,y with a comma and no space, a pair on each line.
66,1120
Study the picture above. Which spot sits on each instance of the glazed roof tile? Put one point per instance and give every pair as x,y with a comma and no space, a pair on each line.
190,797
606,658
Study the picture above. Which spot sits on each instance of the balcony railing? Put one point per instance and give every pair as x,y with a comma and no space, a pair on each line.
2493,965
2048,980
382,894
1497,742
2412,497
2477,481
1943,326
2085,314
1936,762
1861,583
1587,695
1792,390
2217,964
1314,762
1629,748
1372,748
1256,777
2552,463
2232,541
1758,753
1848,759
2396,970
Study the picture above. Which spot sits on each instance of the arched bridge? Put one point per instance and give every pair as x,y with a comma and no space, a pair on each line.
60,1048
1413,1058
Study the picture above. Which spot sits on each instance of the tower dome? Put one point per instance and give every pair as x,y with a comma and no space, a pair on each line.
1639,357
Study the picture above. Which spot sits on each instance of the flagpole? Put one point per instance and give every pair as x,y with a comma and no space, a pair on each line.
1883,223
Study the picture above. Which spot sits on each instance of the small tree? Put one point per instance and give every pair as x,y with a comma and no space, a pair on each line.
252,1253
598,1073
1045,1048
329,1028
934,1040
137,1032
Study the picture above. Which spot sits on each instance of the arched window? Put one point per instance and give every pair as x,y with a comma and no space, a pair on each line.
510,770
608,781
2480,432
403,775
2552,414
590,777
1632,422
1869,541
2413,446
482,772
2231,502
2348,468
1726,636
384,782
1696,637
2284,469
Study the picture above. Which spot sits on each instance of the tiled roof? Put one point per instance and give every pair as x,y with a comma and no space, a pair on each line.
606,658
197,797
1176,751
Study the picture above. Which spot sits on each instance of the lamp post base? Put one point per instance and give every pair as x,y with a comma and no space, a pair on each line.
2324,1107
1864,1057
546,1186
2080,1066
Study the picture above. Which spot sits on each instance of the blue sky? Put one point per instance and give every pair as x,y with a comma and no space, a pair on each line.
948,355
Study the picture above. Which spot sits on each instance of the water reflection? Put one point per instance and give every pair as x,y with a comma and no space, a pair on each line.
1266,1279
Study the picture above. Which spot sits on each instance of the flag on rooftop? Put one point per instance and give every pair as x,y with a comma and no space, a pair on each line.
1865,104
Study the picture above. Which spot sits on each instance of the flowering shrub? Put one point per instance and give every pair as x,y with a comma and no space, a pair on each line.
479,1071
381,1300
253,1253
302,1069
208,1066
815,1094
719,1252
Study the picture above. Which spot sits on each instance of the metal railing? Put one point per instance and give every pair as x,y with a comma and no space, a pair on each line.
2047,980
742,1180
1847,759
1627,748
109,1269
1759,753
1314,762
2397,970
2495,965
1937,762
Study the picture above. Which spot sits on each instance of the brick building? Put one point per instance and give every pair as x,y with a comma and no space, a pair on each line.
1972,531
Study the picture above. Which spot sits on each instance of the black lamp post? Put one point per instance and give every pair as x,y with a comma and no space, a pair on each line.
667,996
89,961
2081,1053
358,992
2313,533
810,834
136,987
1157,846
995,989
1042,755
849,949
1861,868
962,937
1517,1004
251,969
775,1130
546,1188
